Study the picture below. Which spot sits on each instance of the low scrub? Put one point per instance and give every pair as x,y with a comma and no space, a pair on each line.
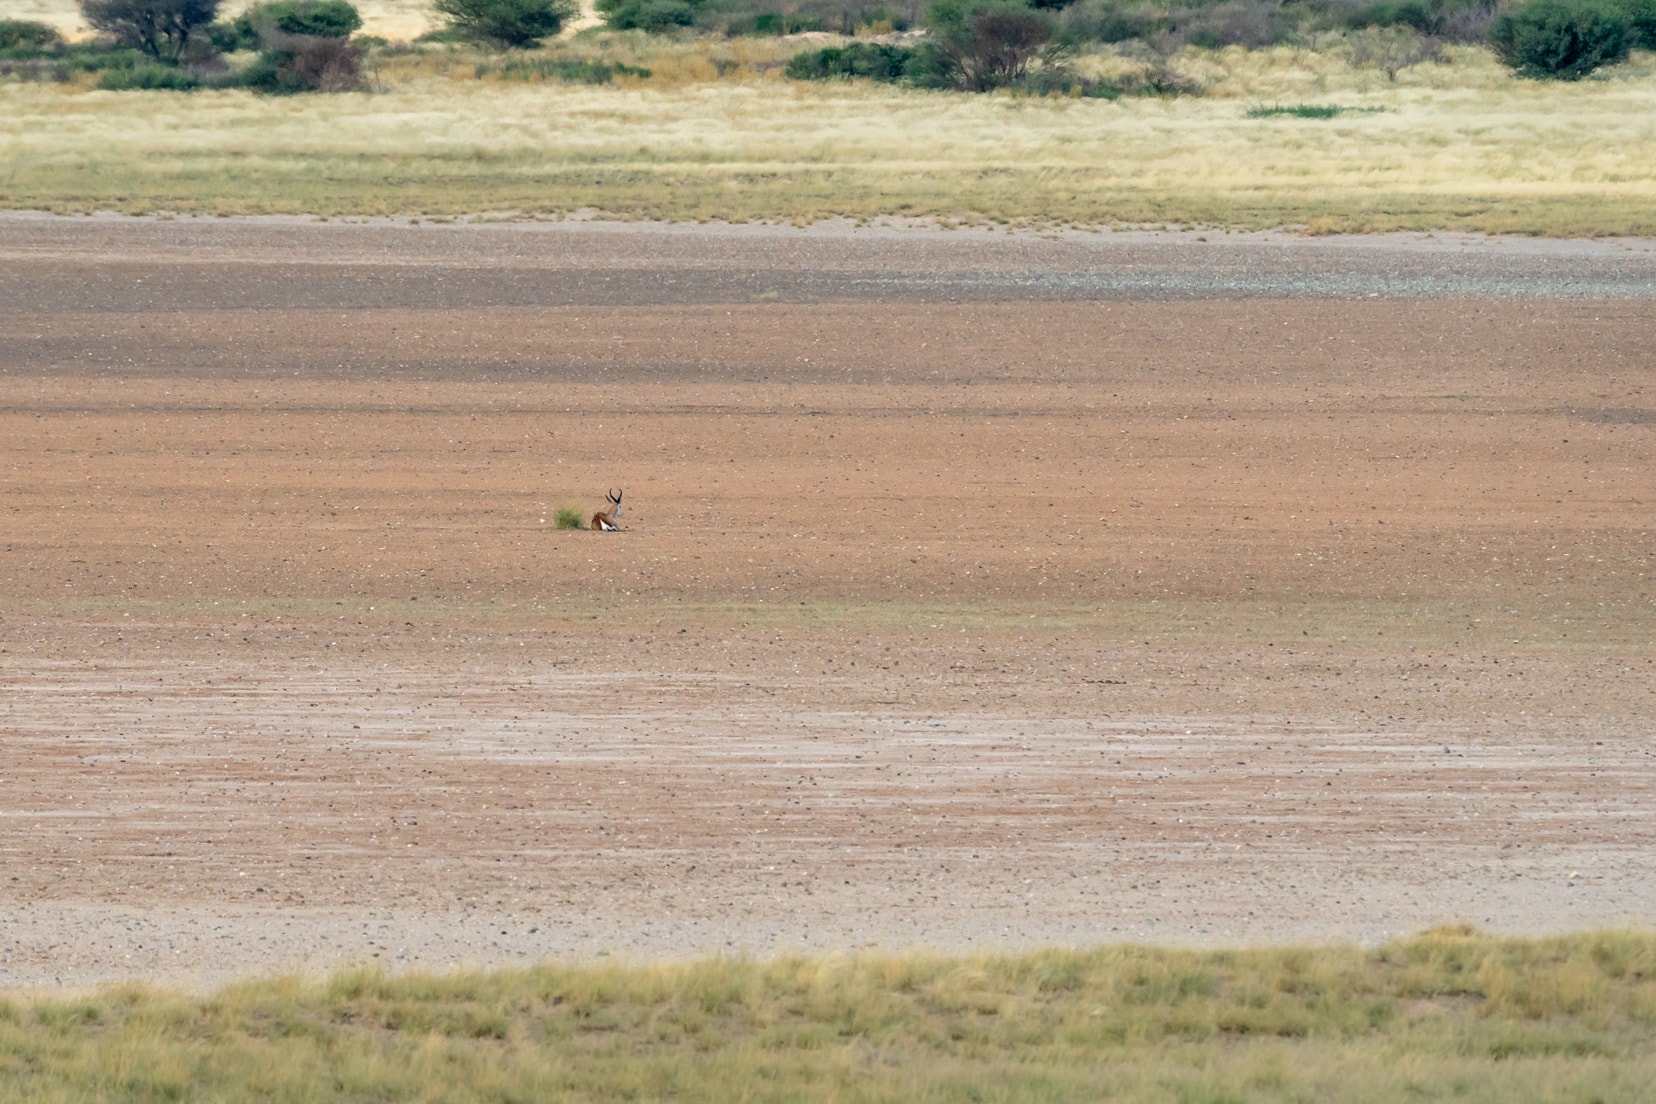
1641,23
292,64
571,70
1451,20
315,18
871,60
923,66
147,77
650,16
1448,1014
1306,111
27,37
865,18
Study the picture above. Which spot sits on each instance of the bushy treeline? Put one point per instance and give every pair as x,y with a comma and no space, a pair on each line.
977,45
1210,23
284,46
179,45
763,17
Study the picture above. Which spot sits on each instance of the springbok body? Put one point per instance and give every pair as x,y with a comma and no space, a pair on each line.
605,520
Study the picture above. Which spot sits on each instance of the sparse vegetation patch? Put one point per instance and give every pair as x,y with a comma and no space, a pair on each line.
1307,111
1447,1014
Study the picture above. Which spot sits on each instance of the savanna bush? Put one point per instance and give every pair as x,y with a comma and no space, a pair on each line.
877,61
515,24
291,64
25,36
149,77
1641,23
1452,20
1391,49
985,44
320,18
1111,21
1560,39
783,17
1248,23
652,16
574,70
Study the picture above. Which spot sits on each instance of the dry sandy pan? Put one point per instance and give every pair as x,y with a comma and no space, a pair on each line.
976,591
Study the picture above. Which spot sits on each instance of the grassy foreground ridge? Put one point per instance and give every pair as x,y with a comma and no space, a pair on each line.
1447,1014
716,133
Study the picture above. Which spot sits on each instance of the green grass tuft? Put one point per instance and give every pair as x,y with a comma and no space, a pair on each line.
1307,111
569,517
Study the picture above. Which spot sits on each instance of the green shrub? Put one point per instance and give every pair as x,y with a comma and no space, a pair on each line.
147,78
317,18
1306,111
1055,80
1641,23
780,23
292,64
236,35
786,17
1111,21
321,18
510,23
1457,20
1247,23
1560,39
574,70
873,60
652,16
568,517
26,35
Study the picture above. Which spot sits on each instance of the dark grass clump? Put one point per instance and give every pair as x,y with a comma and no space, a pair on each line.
568,70
1307,111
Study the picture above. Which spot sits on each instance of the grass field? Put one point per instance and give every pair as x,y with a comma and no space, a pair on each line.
1449,1014
716,133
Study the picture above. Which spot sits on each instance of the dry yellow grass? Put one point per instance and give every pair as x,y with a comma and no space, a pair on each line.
1446,1014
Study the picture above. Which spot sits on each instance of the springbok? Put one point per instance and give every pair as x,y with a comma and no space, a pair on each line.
604,520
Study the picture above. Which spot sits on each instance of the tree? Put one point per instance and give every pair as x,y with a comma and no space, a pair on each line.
519,23
159,28
985,44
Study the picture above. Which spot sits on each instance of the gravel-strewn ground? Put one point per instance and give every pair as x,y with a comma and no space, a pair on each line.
977,591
